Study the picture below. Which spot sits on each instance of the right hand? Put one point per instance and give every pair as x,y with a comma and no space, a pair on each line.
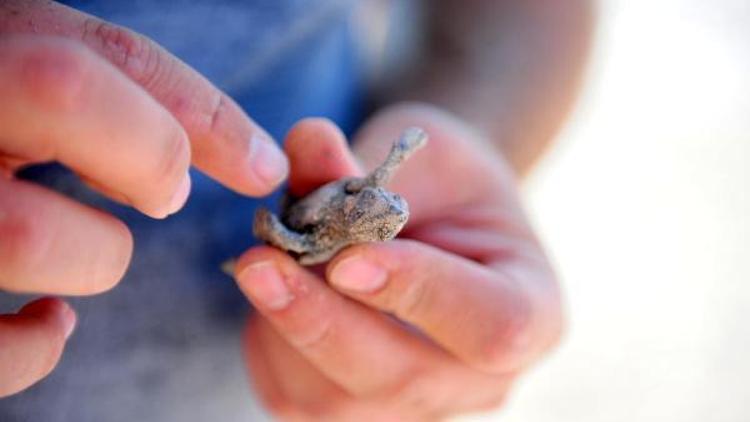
129,118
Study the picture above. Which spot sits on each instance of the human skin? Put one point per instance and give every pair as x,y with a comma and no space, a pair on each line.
485,304
474,298
472,291
130,119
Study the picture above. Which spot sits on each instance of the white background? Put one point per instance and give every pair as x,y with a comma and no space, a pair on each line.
645,209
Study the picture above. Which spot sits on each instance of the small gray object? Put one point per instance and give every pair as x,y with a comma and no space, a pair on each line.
343,212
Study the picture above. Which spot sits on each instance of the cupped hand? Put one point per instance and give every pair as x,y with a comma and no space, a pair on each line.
438,322
129,118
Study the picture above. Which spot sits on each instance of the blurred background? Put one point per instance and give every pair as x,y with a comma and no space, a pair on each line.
643,205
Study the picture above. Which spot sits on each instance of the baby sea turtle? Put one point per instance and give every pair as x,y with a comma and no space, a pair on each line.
344,212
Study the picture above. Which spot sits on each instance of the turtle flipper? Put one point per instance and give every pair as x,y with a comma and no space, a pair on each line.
410,141
269,228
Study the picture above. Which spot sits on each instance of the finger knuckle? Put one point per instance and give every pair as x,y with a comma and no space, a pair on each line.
206,119
54,74
508,341
213,119
218,113
23,246
410,392
317,336
412,293
139,57
415,297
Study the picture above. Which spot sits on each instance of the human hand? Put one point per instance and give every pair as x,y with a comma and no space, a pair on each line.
474,299
129,118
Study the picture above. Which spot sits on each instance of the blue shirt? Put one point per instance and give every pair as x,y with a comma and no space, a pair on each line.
165,344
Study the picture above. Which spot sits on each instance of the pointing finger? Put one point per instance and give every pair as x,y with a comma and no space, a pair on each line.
61,102
318,153
226,143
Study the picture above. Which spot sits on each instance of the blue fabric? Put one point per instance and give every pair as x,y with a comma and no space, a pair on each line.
164,345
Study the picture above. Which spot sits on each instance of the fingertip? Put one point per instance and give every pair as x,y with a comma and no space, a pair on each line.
265,286
318,153
260,254
365,268
171,206
114,265
35,338
311,127
180,196
392,253
108,269
268,162
263,275
357,274
69,320
253,166
52,309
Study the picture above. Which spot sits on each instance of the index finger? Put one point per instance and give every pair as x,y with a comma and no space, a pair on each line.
226,143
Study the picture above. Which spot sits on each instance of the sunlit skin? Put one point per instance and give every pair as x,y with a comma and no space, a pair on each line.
130,132
468,274
437,322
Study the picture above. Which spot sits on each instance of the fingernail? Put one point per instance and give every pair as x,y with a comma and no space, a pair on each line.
358,275
180,196
265,286
68,319
269,163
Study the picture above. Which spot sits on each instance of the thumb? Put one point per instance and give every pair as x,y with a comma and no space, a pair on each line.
318,153
32,341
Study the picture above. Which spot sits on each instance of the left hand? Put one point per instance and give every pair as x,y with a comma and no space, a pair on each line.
474,299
